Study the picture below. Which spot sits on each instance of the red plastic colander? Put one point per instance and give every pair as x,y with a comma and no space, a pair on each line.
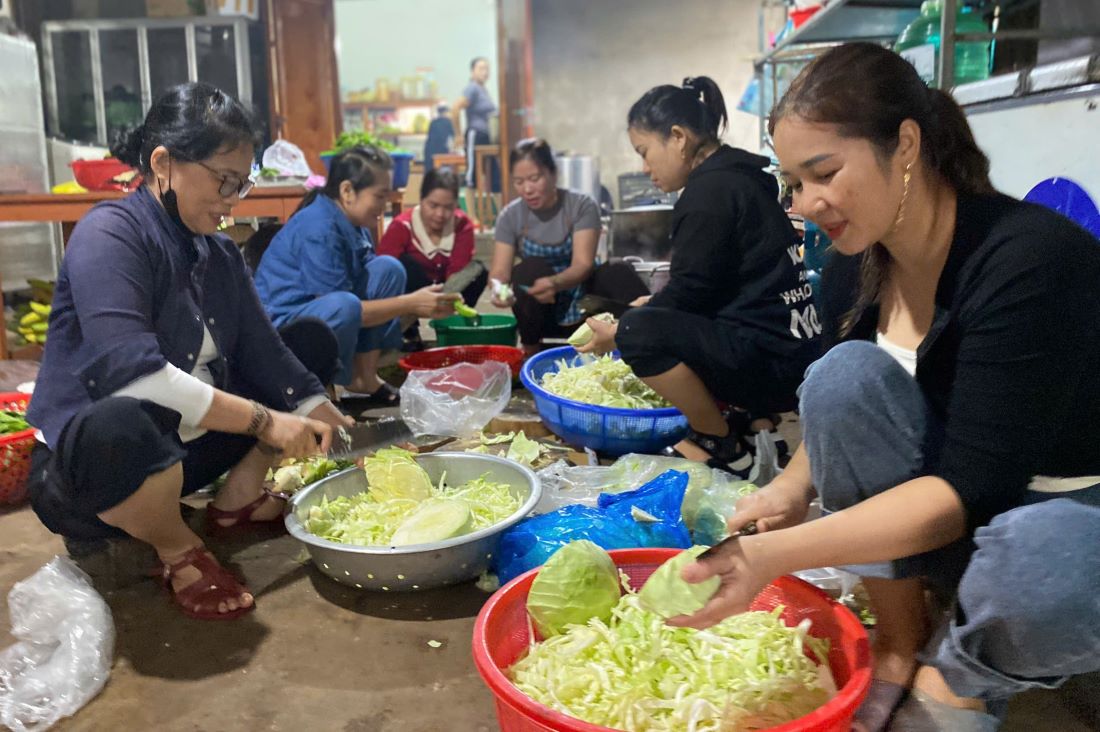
438,358
501,635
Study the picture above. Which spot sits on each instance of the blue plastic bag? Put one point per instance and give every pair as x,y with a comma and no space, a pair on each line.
613,524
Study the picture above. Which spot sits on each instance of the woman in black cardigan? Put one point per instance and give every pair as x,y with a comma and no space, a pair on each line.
950,429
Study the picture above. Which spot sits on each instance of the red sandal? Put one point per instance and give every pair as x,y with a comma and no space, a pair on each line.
242,518
217,584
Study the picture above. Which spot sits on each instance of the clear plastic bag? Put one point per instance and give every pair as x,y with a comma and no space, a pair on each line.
457,400
62,659
708,501
566,485
287,158
765,465
837,582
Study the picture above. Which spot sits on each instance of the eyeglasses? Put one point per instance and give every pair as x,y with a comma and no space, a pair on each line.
230,183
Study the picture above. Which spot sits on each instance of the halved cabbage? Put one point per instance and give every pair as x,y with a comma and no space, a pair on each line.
441,519
668,594
578,583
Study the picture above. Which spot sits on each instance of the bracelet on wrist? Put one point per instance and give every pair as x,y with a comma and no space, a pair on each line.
261,418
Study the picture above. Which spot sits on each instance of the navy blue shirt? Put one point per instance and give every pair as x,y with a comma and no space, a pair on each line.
441,133
318,252
133,294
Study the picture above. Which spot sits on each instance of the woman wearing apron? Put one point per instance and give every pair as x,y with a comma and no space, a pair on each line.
554,233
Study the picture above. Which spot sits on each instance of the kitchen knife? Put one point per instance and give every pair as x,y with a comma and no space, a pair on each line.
349,443
747,530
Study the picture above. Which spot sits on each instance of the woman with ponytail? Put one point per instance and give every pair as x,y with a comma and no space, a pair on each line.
322,264
162,372
736,321
950,429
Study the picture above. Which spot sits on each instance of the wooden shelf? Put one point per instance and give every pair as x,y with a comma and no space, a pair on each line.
277,202
399,104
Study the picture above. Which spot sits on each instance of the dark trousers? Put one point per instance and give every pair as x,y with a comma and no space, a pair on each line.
470,280
109,448
615,281
726,358
473,139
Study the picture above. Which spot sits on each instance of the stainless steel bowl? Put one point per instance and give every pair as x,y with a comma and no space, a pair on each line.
421,566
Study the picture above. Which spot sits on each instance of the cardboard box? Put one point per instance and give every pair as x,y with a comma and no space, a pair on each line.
174,8
237,8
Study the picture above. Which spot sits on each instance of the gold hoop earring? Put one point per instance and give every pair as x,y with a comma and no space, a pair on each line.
905,179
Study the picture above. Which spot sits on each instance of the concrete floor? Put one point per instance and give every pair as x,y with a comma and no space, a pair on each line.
316,655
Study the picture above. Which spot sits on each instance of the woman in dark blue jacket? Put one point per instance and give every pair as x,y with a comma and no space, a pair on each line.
162,370
322,264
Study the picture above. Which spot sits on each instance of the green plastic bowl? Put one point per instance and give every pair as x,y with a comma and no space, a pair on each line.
499,330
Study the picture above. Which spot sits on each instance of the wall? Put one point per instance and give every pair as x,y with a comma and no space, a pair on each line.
592,60
392,38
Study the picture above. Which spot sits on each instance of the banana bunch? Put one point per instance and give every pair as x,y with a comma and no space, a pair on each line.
32,318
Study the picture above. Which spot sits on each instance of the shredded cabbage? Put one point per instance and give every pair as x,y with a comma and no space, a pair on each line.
524,450
498,439
636,673
604,381
369,520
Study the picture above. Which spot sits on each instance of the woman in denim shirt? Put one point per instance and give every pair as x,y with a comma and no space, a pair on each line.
162,370
322,264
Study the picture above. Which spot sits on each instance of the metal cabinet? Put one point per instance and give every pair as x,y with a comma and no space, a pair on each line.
26,249
103,75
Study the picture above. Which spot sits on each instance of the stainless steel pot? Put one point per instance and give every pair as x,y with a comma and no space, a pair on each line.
655,274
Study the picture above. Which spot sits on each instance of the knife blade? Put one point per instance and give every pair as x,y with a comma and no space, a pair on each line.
349,443
747,530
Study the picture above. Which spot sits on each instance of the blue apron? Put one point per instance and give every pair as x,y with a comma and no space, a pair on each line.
560,256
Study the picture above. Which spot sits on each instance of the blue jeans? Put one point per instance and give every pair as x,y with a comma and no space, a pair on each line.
342,311
1026,587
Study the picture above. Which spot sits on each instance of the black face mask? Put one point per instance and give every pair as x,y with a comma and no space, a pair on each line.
170,202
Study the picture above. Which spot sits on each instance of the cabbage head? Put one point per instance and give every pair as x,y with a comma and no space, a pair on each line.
579,582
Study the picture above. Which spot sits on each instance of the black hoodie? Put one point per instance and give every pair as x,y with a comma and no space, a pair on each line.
735,255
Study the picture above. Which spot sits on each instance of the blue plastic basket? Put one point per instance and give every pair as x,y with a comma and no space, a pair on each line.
605,429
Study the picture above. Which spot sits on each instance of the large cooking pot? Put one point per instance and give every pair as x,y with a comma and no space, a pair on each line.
655,274
579,173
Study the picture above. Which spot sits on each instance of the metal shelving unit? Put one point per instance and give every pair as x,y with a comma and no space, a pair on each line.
882,21
840,21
